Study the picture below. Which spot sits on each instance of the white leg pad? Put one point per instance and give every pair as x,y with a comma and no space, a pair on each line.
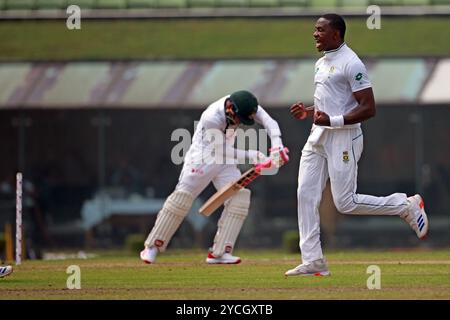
230,223
169,218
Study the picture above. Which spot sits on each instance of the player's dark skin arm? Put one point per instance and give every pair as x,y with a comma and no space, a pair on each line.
300,112
365,110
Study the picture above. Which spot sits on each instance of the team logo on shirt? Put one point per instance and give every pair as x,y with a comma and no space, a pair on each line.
332,68
358,76
345,157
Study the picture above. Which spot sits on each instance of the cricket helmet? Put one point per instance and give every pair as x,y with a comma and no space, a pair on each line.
244,105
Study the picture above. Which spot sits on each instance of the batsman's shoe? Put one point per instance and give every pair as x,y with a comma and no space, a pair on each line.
148,255
226,258
315,268
6,270
416,217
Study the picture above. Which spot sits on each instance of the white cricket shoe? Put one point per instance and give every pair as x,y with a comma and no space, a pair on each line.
315,268
6,270
148,255
416,217
226,258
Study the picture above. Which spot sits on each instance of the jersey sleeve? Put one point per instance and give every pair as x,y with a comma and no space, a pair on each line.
356,74
271,126
211,135
216,142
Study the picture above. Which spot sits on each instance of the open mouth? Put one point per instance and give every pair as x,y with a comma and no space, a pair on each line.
318,43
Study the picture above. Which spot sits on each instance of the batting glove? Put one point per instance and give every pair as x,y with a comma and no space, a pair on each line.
279,156
256,157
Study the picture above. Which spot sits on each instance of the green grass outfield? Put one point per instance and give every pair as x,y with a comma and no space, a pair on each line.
217,38
184,275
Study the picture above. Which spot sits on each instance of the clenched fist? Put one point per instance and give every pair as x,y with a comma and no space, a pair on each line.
298,111
321,118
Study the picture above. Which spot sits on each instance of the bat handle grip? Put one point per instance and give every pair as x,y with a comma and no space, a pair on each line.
264,165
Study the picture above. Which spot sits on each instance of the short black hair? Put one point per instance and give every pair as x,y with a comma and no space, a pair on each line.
336,22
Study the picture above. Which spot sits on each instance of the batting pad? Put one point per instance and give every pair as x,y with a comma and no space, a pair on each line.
169,219
231,221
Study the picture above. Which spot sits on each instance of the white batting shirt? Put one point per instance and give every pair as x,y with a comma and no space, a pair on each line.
338,74
213,120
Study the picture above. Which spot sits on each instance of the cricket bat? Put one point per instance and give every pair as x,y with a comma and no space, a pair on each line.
226,192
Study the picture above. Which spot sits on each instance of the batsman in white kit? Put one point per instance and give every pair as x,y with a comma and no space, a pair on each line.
222,118
343,98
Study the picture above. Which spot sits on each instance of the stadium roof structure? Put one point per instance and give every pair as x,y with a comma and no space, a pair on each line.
195,84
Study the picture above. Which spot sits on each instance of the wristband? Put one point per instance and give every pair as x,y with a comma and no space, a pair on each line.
337,121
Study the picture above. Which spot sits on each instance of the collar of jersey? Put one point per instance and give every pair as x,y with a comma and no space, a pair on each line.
332,53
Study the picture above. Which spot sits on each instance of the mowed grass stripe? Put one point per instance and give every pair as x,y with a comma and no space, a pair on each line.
184,275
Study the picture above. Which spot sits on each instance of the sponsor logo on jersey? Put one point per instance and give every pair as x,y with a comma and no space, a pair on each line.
358,76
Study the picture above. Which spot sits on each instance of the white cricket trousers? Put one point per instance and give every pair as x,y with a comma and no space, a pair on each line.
334,153
194,178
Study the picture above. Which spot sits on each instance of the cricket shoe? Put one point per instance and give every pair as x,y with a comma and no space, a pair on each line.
416,217
226,258
148,255
315,268
4,271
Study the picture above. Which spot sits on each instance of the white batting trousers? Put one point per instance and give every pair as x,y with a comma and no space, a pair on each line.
194,178
334,154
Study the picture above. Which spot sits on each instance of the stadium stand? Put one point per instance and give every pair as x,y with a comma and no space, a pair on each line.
299,3
142,4
172,4
416,2
51,4
436,89
323,3
135,4
399,80
263,3
201,3
386,2
112,4
231,3
19,4
354,3
183,84
88,4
